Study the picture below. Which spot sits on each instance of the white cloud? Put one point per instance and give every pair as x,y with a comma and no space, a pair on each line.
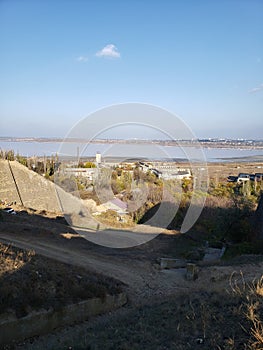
256,89
109,50
82,59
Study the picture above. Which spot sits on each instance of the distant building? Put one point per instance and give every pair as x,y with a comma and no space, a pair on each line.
84,172
145,166
179,175
166,171
115,204
98,158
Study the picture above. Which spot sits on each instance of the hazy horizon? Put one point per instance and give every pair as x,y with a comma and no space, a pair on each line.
124,139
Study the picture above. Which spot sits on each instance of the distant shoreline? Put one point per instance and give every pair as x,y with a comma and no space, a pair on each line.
206,143
163,150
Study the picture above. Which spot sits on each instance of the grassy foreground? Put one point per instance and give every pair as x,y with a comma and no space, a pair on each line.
230,320
31,282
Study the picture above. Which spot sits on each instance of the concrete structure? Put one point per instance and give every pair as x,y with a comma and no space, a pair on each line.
213,254
170,263
166,172
45,321
25,187
88,173
98,158
8,190
145,166
179,174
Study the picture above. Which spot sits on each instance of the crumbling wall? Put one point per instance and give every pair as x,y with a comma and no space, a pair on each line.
43,322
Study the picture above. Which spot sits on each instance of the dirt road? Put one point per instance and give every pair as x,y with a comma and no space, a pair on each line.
137,267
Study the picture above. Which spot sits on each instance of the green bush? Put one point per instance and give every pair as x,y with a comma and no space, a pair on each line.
243,248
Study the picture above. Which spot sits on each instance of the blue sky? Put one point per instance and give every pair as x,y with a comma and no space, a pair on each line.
61,60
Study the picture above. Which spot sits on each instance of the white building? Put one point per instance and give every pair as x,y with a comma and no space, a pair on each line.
179,175
88,173
98,158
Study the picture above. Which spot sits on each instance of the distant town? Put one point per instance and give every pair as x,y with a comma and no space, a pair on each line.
205,142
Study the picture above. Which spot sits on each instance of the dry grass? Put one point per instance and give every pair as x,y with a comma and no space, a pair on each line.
256,329
254,315
11,259
258,287
252,295
205,320
31,282
112,219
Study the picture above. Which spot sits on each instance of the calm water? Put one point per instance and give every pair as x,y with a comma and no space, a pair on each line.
119,150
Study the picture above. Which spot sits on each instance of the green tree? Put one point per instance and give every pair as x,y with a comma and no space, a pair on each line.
89,165
21,160
10,155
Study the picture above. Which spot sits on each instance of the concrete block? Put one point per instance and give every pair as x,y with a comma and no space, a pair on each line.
169,263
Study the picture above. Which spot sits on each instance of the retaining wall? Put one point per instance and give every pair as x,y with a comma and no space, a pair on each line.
7,186
35,191
38,193
43,322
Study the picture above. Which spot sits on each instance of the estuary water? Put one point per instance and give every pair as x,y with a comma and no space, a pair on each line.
34,148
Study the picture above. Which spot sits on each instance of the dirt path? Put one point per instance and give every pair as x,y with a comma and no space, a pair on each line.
137,268
130,275
143,279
